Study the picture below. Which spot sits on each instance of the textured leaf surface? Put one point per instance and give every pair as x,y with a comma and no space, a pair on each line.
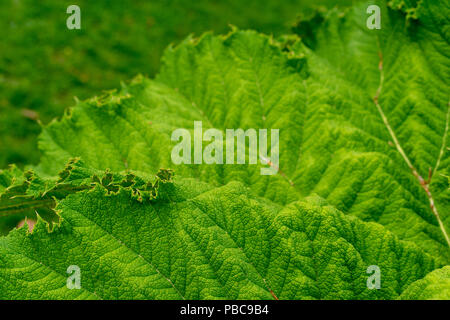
435,286
333,140
208,244
358,127
389,85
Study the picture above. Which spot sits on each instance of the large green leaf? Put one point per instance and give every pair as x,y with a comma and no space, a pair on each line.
333,140
388,85
199,242
359,133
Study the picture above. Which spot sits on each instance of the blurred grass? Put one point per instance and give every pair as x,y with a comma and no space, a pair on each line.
43,65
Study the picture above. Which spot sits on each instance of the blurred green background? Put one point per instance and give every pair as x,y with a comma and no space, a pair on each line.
43,65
